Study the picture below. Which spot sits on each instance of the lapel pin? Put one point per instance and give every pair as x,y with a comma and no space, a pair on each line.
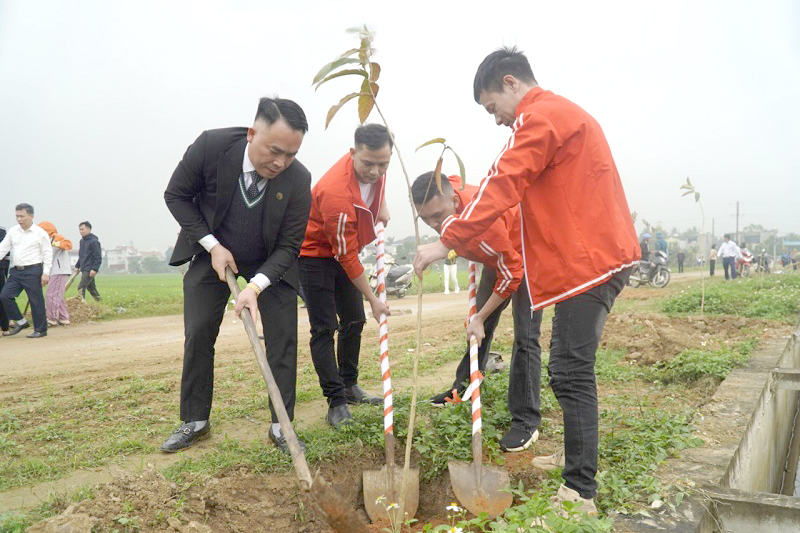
279,196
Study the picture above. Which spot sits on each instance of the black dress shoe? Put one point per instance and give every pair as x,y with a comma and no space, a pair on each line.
339,415
185,436
37,335
280,442
17,328
356,395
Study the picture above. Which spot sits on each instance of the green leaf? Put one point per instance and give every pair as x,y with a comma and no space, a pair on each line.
333,110
462,171
348,72
374,71
439,140
333,65
349,53
697,197
686,193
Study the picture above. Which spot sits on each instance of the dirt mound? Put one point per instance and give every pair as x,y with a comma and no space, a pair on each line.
80,311
652,338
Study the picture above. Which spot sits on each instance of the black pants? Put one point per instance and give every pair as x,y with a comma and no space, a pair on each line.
525,373
680,265
577,327
87,282
3,274
334,304
204,300
29,279
711,263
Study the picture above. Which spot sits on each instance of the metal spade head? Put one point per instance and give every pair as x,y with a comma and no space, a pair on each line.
480,488
379,483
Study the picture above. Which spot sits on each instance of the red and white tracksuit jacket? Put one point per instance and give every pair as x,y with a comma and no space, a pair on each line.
340,224
499,247
576,227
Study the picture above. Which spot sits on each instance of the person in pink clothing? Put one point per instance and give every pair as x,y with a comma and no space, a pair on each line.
57,312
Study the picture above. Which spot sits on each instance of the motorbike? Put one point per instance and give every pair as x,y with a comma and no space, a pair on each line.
744,265
764,262
655,272
398,277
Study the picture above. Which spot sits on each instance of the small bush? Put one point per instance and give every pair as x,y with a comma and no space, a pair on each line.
692,365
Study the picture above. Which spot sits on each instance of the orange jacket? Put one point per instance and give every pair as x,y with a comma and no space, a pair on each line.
576,225
340,224
499,247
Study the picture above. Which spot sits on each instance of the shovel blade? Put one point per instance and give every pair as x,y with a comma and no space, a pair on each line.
479,488
377,483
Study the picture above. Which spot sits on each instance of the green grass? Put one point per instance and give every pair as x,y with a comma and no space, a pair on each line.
773,297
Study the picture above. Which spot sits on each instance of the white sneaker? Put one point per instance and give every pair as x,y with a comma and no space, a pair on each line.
64,322
52,322
549,462
583,505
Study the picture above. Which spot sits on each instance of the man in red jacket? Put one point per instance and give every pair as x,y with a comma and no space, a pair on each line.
346,204
498,249
578,239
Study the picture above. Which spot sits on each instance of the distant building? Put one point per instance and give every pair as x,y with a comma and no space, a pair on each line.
119,258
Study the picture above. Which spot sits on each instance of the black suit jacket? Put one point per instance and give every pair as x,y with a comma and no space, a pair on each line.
202,187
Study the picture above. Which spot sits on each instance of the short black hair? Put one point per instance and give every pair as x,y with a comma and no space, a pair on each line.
373,136
501,62
271,109
85,223
726,236
24,207
424,188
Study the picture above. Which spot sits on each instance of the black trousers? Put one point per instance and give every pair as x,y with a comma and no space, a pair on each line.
87,282
334,304
577,327
29,279
204,300
525,372
3,274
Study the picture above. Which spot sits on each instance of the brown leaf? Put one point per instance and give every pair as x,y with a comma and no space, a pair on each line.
374,71
462,171
374,86
437,173
365,103
333,110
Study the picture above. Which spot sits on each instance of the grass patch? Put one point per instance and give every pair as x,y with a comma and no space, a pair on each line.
775,297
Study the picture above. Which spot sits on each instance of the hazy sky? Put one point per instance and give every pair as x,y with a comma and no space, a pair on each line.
100,99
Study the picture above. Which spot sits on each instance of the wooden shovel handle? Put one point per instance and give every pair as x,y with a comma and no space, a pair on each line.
298,457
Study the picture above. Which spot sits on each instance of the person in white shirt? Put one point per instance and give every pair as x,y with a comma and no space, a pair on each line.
729,252
31,258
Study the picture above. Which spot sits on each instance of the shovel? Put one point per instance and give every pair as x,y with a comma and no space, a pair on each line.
337,513
389,485
479,488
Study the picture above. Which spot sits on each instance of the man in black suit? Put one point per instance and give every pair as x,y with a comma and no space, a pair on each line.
242,200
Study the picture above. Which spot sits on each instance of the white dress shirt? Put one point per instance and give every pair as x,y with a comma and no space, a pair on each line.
209,241
28,247
729,249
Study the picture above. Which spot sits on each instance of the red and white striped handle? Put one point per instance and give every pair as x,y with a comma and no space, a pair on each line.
474,373
380,266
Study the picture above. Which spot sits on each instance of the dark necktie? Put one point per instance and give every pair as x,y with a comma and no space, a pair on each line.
252,190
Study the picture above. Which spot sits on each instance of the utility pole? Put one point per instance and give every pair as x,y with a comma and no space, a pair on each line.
737,222
712,231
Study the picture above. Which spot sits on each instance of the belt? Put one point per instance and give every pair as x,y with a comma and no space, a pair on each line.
25,267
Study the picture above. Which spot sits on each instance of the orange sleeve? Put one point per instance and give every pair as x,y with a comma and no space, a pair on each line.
528,152
494,248
64,244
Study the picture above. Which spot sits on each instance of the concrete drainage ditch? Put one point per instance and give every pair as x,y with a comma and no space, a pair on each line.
746,475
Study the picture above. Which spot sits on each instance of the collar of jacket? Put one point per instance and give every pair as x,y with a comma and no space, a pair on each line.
530,97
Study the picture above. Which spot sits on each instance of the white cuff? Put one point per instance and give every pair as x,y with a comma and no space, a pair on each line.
208,242
262,281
